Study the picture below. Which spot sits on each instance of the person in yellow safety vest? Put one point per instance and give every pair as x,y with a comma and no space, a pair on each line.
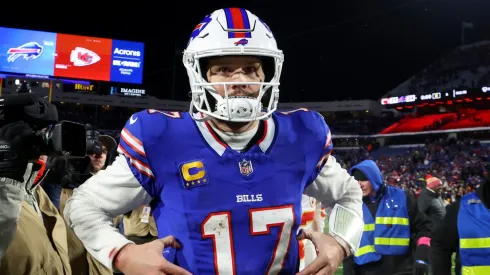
465,230
396,237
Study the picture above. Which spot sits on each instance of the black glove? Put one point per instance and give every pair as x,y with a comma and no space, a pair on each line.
421,265
15,144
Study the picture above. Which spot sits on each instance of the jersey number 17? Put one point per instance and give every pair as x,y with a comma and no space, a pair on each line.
218,227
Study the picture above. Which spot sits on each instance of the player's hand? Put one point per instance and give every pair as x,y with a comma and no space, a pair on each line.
147,259
330,253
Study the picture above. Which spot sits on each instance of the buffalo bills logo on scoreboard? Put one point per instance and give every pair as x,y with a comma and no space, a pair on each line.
246,167
27,52
31,50
198,29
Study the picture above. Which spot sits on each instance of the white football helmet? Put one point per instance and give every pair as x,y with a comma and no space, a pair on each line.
226,32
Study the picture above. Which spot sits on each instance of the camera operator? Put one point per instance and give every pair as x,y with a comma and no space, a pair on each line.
81,261
33,236
101,151
67,175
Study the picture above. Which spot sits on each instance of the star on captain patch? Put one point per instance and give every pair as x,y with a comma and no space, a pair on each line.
246,167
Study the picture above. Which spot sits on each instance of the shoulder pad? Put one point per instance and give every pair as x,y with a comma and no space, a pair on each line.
313,123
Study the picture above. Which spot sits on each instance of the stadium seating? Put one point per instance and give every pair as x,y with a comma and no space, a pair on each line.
415,124
446,121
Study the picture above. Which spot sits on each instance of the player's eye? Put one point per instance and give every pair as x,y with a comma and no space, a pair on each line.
250,69
225,70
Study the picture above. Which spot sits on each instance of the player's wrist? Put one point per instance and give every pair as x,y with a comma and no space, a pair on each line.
342,244
122,256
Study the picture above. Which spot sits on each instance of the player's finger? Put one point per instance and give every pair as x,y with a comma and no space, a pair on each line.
170,268
170,241
327,270
304,234
313,267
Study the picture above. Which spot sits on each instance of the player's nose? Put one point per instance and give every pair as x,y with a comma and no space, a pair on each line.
238,86
238,89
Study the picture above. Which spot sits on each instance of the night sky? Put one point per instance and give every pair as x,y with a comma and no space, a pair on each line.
334,50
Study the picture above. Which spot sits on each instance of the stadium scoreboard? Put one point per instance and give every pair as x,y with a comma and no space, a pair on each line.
454,94
72,56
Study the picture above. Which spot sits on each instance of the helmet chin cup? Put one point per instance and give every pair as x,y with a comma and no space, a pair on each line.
238,108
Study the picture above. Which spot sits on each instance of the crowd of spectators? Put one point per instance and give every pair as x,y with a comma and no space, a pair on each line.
461,165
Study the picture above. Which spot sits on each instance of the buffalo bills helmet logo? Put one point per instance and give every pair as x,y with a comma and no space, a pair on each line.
242,42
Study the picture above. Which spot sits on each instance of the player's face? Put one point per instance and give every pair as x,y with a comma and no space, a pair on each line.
367,188
236,69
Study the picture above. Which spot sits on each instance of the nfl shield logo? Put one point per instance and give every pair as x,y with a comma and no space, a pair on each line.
246,167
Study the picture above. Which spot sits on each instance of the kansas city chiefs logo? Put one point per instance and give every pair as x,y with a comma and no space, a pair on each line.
83,57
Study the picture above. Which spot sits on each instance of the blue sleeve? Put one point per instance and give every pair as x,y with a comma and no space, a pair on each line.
132,147
324,138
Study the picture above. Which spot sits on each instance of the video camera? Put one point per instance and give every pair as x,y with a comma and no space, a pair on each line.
93,143
65,142
71,172
52,137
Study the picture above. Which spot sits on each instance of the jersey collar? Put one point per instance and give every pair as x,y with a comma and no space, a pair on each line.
215,142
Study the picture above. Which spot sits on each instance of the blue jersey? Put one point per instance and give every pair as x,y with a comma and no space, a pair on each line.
233,212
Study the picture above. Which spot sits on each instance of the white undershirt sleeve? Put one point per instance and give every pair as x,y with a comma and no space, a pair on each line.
109,193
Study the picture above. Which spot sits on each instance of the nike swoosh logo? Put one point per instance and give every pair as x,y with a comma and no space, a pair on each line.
132,120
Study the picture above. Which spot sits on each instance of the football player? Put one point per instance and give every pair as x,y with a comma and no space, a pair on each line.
224,180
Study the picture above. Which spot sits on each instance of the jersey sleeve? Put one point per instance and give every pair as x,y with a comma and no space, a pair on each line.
329,182
132,147
324,138
89,212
